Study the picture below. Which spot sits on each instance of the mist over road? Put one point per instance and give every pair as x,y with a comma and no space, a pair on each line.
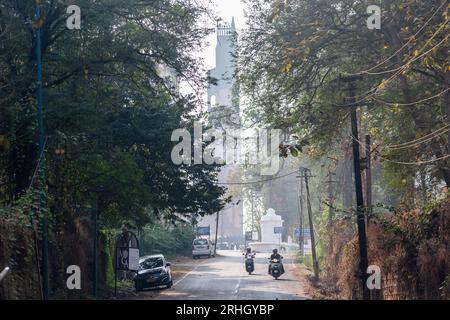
224,278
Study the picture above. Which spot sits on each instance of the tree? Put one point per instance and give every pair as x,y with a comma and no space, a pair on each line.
109,114
295,51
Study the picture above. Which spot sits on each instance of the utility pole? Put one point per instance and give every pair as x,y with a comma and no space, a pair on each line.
311,227
41,169
330,181
368,177
300,196
217,230
361,221
253,217
221,231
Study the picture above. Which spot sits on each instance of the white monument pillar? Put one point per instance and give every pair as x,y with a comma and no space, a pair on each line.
268,223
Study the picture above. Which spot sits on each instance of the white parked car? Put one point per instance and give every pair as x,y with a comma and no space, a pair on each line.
202,247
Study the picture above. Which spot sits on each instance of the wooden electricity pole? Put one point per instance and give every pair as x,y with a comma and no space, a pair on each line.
217,230
311,226
300,215
361,221
253,216
368,177
330,181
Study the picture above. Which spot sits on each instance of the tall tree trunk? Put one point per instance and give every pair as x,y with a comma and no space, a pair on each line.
347,189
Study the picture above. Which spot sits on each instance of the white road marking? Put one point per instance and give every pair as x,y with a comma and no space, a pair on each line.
236,289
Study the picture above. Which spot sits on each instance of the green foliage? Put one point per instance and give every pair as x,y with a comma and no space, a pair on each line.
291,64
167,239
109,115
109,237
294,52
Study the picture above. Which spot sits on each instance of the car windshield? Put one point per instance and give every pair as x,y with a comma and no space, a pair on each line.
151,263
201,242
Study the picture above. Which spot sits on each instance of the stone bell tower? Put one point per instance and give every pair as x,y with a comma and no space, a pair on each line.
221,94
223,108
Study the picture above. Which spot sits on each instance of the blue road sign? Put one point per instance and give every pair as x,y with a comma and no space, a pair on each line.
306,233
203,231
278,230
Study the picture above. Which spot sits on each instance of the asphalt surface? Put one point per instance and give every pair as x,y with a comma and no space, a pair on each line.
224,278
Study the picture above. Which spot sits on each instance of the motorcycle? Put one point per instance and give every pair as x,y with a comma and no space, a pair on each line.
276,269
249,263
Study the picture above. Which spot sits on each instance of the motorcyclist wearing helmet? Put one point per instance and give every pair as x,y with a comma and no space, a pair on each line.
277,256
248,252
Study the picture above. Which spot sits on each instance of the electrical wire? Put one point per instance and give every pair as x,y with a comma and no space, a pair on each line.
406,65
383,83
416,163
421,140
411,103
419,56
255,182
418,51
408,42
372,92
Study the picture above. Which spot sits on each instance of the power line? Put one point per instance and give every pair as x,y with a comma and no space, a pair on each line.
372,92
421,140
383,83
426,44
423,54
258,181
415,163
405,66
410,103
402,47
417,142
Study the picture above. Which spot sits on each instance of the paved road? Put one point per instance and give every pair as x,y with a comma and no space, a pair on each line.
224,278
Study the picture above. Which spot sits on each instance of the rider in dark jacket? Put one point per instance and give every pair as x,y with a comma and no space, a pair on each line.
276,255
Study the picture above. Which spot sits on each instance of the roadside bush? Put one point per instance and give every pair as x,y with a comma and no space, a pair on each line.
411,247
173,239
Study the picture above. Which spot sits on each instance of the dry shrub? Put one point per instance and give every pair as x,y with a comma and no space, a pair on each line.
71,247
17,252
412,249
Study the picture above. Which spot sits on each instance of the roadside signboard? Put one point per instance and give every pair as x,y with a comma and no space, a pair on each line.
126,254
297,233
203,231
306,233
278,230
248,236
133,263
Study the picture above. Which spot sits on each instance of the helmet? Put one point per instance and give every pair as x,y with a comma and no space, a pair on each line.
249,249
275,250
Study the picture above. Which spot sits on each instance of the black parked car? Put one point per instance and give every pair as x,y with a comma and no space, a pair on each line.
154,271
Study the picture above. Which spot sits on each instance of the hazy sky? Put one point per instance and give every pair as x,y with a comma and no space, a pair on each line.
225,9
